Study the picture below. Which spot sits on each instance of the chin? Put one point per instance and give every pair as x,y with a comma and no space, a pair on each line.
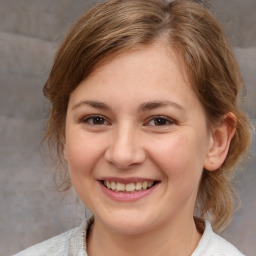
128,224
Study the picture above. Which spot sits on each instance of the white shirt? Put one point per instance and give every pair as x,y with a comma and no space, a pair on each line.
72,243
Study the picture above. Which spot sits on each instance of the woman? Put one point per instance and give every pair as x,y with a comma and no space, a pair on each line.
145,115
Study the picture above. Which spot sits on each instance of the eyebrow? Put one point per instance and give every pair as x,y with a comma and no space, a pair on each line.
150,105
92,103
157,104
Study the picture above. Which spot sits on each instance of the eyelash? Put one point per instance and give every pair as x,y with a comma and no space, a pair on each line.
90,120
167,121
98,119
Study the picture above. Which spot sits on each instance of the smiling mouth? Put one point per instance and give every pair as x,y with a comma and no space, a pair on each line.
130,187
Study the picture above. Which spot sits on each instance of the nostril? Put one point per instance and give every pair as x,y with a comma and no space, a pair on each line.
125,158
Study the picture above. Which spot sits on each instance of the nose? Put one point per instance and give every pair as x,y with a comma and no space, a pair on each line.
125,149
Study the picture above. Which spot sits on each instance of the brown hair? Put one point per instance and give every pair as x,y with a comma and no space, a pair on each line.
113,27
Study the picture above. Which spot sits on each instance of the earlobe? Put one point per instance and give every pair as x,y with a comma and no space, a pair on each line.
221,136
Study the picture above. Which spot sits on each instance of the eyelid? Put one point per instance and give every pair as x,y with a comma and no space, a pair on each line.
86,118
168,119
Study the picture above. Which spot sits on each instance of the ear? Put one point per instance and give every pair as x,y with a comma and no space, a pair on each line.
221,136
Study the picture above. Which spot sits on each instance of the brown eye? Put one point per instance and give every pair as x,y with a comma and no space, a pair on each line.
160,121
95,120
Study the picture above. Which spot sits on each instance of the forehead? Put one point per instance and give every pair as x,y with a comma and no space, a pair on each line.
154,57
146,74
153,49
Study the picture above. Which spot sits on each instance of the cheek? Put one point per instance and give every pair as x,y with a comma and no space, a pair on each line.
178,157
181,170
83,157
83,153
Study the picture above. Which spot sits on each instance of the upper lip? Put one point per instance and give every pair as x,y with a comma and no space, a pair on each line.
126,180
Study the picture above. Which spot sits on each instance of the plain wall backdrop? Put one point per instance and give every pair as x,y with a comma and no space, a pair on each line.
30,208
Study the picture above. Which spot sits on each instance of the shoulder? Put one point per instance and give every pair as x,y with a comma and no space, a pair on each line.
212,244
66,244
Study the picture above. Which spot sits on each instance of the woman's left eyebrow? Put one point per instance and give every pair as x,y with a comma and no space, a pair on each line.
157,104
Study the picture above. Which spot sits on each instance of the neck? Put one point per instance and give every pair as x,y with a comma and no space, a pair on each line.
178,238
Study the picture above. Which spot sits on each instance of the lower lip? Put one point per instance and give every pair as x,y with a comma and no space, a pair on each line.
127,197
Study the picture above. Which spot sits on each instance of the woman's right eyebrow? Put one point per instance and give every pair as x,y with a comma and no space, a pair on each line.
92,103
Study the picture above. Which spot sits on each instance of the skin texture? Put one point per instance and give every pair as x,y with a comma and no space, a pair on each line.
138,117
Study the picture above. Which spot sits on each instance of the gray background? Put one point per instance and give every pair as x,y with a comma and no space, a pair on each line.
30,208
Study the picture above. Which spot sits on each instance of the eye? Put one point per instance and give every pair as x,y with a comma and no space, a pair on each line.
95,120
160,121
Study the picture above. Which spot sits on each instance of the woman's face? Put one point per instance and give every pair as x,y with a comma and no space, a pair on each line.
137,141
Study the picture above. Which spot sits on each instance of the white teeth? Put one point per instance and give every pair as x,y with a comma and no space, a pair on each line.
130,187
108,184
144,185
120,186
113,185
138,186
